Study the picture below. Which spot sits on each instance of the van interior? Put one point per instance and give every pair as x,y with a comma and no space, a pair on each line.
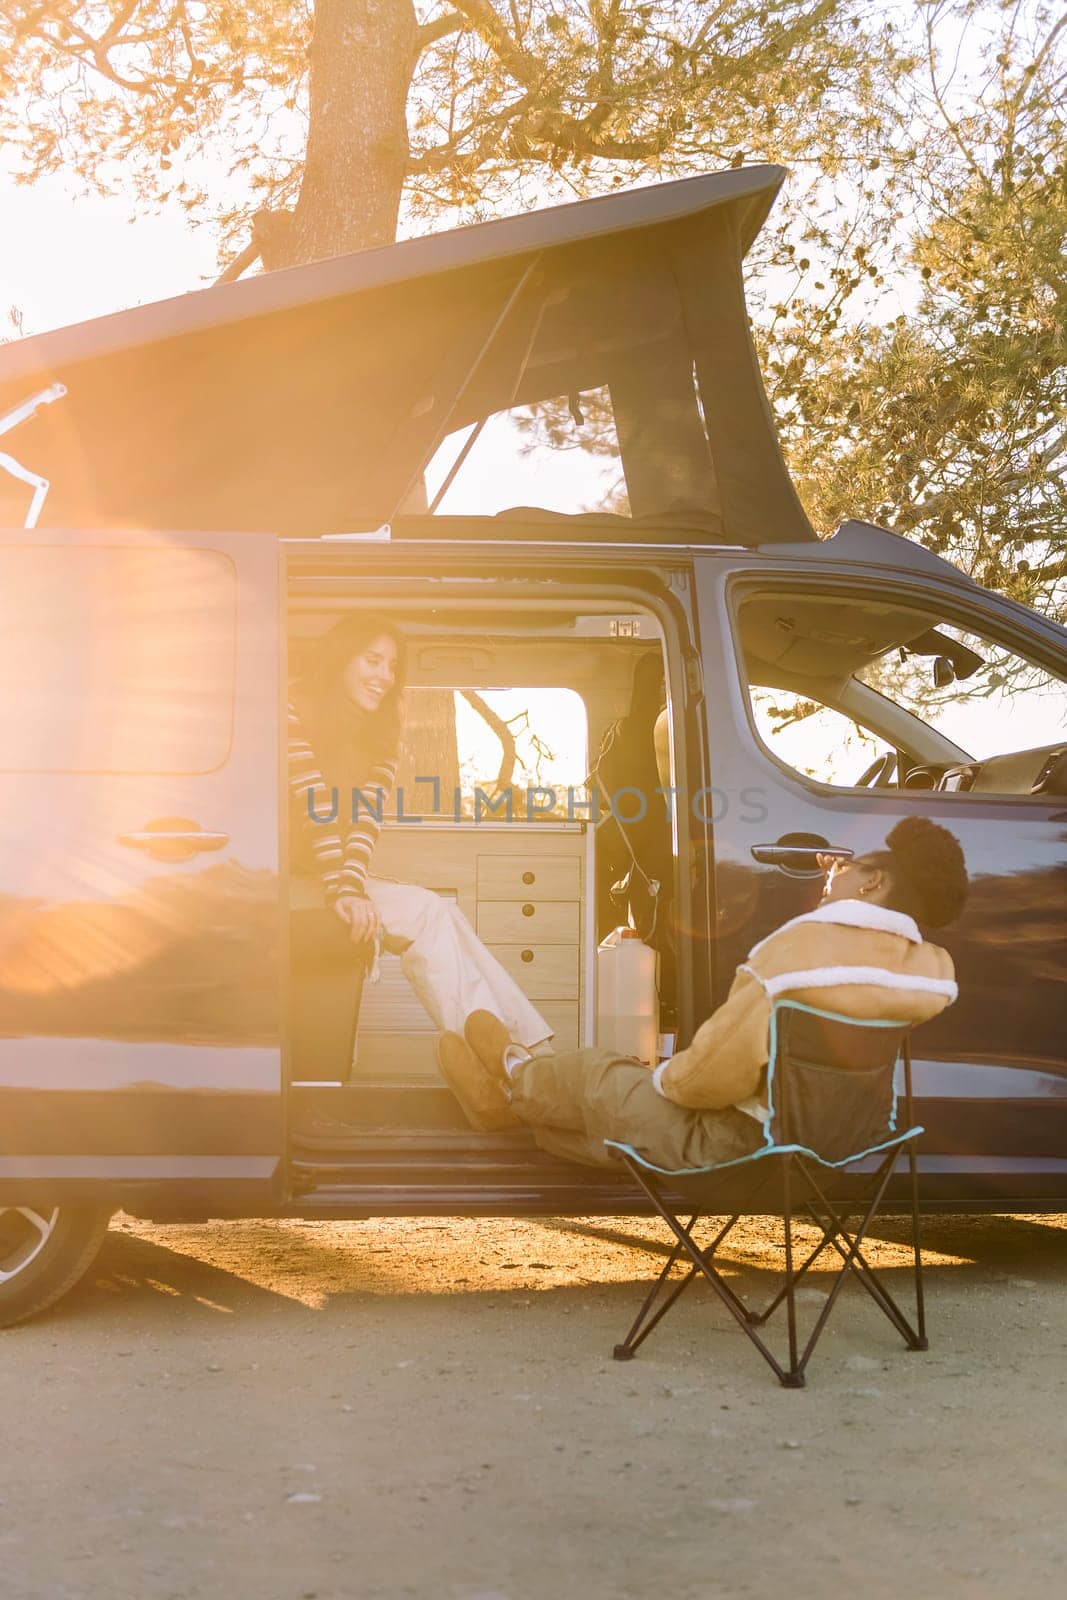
507,706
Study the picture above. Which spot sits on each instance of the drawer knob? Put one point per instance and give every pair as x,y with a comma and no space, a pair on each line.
529,877
528,910
527,956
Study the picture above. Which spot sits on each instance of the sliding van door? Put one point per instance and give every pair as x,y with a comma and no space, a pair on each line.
139,921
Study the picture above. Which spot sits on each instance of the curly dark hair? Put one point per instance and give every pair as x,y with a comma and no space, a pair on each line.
928,873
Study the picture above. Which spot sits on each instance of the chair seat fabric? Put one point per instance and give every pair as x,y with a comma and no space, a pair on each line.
762,1153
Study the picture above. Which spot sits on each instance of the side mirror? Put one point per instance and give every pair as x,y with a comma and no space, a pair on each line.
944,672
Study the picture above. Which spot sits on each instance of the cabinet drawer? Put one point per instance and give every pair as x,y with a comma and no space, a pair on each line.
562,1017
539,922
529,877
542,971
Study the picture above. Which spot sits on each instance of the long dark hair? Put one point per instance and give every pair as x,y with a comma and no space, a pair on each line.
348,743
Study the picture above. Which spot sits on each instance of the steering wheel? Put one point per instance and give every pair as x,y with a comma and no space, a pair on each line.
880,771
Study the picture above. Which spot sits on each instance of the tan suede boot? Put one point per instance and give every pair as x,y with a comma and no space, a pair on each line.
478,1090
488,1038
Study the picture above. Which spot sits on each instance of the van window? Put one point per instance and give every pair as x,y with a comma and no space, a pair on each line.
494,740
813,739
837,683
558,455
586,398
115,659
1002,704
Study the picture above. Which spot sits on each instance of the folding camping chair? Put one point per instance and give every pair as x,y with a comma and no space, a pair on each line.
832,1096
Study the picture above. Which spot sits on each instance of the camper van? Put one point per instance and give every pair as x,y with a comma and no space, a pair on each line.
541,447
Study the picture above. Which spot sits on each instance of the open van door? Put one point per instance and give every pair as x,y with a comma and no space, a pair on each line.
140,1051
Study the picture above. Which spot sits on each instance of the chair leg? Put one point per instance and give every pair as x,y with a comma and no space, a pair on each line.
854,1260
836,1225
642,1328
913,1174
795,1376
870,1281
639,1332
702,1263
835,1232
761,1317
922,1342
839,1283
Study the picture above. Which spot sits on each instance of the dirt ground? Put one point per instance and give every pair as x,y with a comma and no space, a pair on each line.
428,1408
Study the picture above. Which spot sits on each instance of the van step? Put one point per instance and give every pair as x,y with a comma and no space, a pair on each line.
366,1142
409,1151
412,1152
593,1194
365,1106
474,1171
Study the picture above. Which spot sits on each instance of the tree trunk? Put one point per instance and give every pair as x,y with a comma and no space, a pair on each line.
430,751
362,57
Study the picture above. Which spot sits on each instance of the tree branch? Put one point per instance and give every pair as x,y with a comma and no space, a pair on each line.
1050,573
240,263
90,52
117,23
504,734
439,28
524,68
579,138
442,155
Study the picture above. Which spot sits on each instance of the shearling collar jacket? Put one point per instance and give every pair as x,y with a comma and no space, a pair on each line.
848,956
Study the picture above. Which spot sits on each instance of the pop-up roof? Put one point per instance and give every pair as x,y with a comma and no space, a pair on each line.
311,400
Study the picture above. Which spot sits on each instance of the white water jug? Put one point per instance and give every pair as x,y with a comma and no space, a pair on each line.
627,998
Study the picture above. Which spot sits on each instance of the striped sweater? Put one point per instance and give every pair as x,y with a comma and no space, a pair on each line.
341,844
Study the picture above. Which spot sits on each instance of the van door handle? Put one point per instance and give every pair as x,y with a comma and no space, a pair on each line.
173,839
798,853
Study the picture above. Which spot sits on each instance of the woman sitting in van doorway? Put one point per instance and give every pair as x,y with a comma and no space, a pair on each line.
346,717
860,954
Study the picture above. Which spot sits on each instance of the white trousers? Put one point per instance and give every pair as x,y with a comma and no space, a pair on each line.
448,966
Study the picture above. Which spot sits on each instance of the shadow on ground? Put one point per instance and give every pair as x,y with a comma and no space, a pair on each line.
298,1271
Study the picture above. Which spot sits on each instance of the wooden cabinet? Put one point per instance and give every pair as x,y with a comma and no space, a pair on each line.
522,887
529,922
530,877
542,971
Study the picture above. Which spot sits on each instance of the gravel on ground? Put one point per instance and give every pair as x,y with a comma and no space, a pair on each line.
428,1408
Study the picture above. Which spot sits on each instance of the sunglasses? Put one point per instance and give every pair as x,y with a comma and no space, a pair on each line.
840,865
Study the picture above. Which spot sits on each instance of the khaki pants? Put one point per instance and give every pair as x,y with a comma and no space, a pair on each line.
574,1101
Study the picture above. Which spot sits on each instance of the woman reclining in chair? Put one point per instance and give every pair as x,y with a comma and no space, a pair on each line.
860,954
